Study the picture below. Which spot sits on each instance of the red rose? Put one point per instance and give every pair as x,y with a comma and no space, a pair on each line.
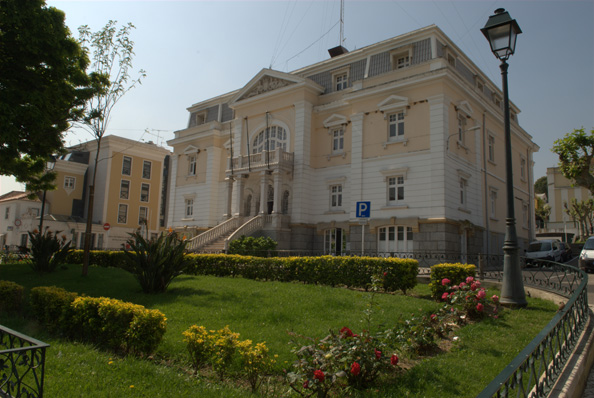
445,296
479,307
355,369
319,375
346,332
433,317
306,384
378,354
394,360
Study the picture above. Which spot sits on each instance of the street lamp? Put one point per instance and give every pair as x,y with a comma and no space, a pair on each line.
502,31
49,167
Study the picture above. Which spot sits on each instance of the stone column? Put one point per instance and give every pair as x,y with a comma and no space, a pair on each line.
263,192
239,188
229,197
277,192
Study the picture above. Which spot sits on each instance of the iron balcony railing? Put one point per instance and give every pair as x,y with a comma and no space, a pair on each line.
22,365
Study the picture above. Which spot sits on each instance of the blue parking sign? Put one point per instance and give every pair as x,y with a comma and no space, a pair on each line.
363,209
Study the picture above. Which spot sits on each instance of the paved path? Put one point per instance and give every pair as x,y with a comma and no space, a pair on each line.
589,391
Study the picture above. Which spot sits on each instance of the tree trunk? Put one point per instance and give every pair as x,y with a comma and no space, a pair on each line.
88,231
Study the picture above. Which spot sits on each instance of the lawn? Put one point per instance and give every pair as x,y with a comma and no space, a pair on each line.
263,311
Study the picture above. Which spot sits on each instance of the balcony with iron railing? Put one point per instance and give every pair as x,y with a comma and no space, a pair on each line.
277,159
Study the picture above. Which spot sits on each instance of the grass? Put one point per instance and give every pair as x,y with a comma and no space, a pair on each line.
262,311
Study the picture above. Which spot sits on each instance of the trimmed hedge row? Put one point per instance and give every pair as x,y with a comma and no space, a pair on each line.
456,273
399,274
11,296
100,258
110,323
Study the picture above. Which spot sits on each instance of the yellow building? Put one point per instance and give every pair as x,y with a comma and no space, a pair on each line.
408,128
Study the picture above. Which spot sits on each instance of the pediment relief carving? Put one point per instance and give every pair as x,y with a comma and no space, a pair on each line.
266,84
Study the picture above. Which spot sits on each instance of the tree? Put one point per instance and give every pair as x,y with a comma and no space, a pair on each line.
581,212
542,211
43,86
576,151
542,185
111,52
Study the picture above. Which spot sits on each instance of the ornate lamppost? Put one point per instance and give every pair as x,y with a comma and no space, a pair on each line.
502,31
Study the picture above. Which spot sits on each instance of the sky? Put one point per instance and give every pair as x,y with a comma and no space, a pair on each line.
195,50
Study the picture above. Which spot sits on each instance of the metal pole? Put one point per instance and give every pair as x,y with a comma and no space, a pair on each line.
362,238
512,288
42,211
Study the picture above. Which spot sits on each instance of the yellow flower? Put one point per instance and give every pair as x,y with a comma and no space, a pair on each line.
132,386
110,362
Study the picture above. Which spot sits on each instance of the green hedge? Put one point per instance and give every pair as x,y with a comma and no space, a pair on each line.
101,258
456,273
110,323
11,296
355,272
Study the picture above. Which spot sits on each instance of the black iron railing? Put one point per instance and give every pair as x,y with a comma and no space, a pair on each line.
535,370
22,365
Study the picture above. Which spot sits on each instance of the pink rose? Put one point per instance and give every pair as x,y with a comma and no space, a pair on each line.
445,281
473,287
481,294
469,279
495,298
479,307
445,296
462,285
433,317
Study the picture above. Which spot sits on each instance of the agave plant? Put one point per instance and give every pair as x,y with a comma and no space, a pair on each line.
47,250
155,262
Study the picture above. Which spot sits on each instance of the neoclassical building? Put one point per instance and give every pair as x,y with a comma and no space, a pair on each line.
409,125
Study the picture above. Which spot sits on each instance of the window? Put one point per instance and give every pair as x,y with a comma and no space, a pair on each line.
69,182
100,241
522,167
493,203
285,203
144,192
336,196
461,127
127,166
24,240
142,215
337,140
402,61
452,60
200,118
395,189
34,211
397,238
269,139
7,214
192,165
525,214
123,214
341,81
491,152
125,189
146,169
334,241
396,126
189,207
463,185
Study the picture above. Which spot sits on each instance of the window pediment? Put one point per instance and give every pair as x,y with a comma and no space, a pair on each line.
335,120
190,150
393,103
465,108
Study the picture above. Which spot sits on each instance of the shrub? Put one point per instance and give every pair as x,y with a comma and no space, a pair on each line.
11,296
250,246
453,273
51,306
47,250
118,325
469,300
101,258
156,262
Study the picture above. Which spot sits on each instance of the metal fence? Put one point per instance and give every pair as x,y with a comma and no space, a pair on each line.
535,370
22,365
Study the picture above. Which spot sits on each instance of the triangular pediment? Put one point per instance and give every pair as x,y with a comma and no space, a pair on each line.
190,149
464,107
393,102
335,120
268,80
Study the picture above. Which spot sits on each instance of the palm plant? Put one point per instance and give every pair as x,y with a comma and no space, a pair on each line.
47,250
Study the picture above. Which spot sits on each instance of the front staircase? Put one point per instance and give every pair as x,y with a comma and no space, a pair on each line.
216,246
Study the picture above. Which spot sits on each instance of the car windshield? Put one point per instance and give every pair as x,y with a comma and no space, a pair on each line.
539,246
589,244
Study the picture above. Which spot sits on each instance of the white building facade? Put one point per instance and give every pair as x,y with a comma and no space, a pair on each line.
409,125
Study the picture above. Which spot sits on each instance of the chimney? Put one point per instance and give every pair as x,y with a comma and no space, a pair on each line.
336,51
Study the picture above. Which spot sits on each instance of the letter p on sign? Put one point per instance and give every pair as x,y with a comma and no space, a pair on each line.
363,209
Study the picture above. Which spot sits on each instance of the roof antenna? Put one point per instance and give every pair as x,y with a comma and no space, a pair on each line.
336,51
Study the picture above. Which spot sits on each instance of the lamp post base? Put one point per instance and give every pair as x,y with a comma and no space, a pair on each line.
512,287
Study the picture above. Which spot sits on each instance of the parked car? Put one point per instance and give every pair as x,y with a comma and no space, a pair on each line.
546,249
566,253
586,260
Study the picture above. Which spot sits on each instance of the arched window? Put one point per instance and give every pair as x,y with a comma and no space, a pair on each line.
269,139
248,205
